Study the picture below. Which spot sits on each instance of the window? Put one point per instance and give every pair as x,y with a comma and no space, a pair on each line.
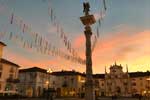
125,83
1,66
64,84
0,86
133,84
113,70
53,82
0,74
133,79
11,76
109,89
11,70
72,80
141,84
65,77
134,90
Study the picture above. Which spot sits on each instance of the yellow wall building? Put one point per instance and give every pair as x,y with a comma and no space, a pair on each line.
8,74
69,83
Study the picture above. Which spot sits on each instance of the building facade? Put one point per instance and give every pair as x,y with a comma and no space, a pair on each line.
120,83
69,83
117,82
33,81
8,74
72,84
140,83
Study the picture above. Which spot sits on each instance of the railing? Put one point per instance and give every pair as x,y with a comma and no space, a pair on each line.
11,80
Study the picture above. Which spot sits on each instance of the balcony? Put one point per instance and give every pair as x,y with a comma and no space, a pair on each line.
11,80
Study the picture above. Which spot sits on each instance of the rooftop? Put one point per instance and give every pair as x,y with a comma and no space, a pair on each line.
2,43
8,62
139,74
33,69
63,73
99,76
69,73
116,66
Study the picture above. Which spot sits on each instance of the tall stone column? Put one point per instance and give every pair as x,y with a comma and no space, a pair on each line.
89,80
88,20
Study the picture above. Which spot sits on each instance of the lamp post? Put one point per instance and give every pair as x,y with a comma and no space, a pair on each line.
49,95
88,20
49,71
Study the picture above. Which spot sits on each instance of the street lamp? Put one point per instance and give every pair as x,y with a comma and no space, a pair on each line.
49,71
47,84
88,20
49,90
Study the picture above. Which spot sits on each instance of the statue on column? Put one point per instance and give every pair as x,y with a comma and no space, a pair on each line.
86,7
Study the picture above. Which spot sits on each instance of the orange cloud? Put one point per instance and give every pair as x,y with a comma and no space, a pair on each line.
42,61
25,62
132,49
123,48
79,41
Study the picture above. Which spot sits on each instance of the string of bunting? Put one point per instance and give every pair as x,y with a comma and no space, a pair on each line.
2,35
39,41
47,49
61,32
41,44
27,29
101,14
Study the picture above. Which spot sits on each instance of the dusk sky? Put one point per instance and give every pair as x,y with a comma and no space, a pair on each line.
124,33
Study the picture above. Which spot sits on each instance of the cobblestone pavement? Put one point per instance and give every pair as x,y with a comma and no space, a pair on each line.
78,99
124,98
83,99
53,99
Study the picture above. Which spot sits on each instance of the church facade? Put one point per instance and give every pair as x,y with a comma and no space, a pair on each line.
120,83
117,82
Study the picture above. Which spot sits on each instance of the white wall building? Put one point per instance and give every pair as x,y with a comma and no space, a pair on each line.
72,83
33,81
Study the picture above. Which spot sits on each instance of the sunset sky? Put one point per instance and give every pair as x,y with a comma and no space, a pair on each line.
124,33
